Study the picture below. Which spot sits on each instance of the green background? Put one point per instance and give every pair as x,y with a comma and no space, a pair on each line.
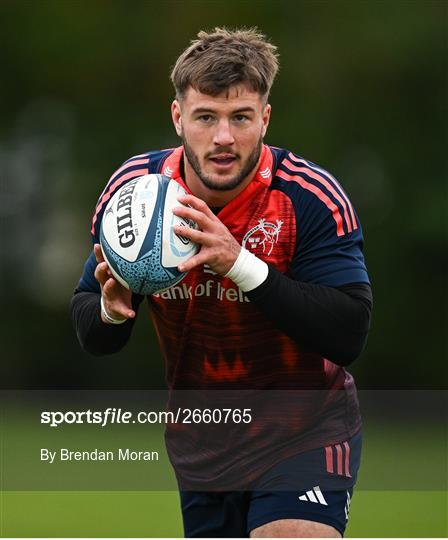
362,91
142,514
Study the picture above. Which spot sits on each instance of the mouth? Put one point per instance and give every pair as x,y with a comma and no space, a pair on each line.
223,161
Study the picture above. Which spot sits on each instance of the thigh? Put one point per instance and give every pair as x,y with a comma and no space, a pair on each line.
214,515
313,487
286,515
295,528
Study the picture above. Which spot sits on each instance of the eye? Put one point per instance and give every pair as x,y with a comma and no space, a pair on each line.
241,118
206,118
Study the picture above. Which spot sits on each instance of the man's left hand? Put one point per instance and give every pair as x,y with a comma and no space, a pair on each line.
219,249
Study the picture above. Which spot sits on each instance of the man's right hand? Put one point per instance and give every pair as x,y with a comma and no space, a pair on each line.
116,298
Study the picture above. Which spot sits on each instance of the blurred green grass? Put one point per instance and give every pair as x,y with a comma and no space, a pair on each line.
157,514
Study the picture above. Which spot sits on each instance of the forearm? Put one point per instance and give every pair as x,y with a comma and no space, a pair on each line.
333,322
95,336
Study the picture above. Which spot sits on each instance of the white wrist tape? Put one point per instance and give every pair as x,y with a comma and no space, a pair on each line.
108,318
248,271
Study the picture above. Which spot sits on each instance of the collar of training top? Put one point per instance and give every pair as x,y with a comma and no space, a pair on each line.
172,168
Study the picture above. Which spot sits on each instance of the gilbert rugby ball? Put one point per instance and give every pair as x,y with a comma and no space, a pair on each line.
137,237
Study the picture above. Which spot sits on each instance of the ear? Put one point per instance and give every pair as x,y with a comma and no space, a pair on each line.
266,118
176,115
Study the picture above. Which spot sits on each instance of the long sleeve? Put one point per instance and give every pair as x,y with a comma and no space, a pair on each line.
95,336
333,322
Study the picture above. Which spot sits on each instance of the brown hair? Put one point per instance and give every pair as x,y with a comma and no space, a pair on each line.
219,59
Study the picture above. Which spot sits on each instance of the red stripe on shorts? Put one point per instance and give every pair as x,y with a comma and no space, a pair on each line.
329,459
347,459
339,458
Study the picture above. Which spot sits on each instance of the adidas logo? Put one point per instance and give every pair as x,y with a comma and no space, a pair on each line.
168,171
265,173
314,495
347,505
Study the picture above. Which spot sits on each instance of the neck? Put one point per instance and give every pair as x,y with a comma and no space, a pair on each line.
214,197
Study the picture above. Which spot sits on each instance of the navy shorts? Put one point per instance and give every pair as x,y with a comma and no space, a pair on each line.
315,486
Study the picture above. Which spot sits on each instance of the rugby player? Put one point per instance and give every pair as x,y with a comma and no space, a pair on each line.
277,299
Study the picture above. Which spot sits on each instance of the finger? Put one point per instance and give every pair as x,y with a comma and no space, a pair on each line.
196,260
117,311
197,204
195,215
195,236
117,291
98,253
102,273
115,303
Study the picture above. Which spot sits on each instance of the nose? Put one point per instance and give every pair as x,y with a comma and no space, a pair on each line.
223,135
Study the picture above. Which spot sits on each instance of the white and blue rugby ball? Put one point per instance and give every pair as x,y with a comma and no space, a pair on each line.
137,237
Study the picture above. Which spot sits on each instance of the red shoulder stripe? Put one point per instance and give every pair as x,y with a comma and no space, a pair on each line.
325,183
114,183
320,194
323,174
128,164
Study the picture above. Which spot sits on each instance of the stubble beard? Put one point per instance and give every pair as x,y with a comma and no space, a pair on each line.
231,183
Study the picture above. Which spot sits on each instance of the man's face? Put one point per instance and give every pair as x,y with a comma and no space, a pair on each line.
222,135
